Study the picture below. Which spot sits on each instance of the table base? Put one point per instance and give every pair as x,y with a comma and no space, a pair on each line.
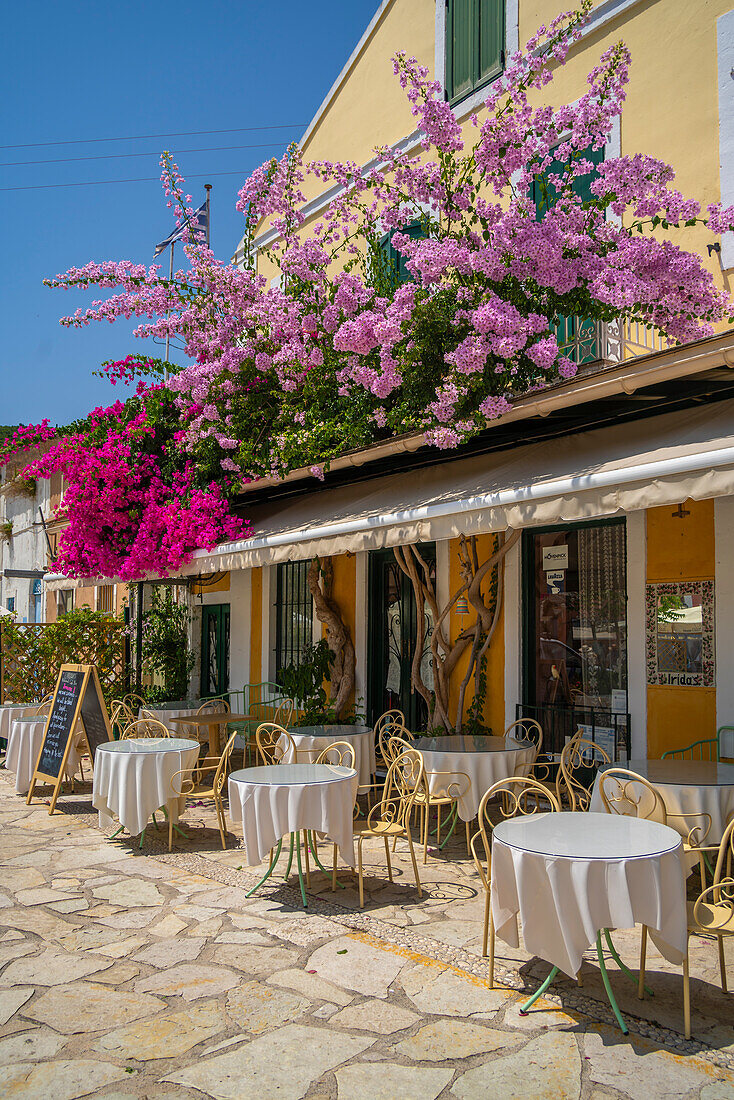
525,1008
295,843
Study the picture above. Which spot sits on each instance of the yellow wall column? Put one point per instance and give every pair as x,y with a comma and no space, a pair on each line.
680,550
256,626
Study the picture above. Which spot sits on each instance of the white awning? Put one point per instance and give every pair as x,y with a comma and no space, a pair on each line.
662,460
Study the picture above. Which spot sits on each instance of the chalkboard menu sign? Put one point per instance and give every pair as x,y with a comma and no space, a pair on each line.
60,723
78,694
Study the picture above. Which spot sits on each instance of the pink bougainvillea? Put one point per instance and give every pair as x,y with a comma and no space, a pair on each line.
497,231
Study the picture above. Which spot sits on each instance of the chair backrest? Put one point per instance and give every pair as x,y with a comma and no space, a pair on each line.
526,729
133,702
145,727
580,760
120,714
405,779
340,753
283,715
518,796
220,774
624,792
387,721
397,741
274,743
264,692
215,706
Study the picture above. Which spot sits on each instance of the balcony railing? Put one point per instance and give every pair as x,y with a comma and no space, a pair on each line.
593,344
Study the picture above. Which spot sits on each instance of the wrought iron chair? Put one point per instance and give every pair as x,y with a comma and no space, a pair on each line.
45,705
133,702
193,786
707,749
120,716
711,914
384,727
274,743
625,792
145,727
390,817
518,796
580,761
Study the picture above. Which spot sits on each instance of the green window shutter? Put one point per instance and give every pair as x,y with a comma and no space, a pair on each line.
460,39
491,39
397,262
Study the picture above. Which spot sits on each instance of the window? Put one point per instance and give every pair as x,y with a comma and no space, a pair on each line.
294,614
394,262
64,601
578,337
34,609
106,598
10,603
475,36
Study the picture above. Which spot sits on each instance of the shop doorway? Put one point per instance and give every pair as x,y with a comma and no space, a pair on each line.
575,632
394,633
214,649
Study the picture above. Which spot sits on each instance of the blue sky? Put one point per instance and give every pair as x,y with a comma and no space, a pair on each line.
84,70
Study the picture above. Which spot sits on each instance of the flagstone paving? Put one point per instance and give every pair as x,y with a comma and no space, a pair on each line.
127,974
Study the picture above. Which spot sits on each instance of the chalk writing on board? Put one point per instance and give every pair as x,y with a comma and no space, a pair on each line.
59,727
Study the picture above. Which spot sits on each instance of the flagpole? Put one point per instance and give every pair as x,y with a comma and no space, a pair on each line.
208,189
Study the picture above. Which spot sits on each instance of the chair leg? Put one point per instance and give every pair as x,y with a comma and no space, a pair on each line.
425,834
438,825
360,873
686,996
170,833
415,865
220,820
722,964
643,953
333,871
486,923
387,854
468,840
491,950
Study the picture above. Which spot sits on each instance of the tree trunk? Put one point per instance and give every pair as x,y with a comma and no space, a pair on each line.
320,583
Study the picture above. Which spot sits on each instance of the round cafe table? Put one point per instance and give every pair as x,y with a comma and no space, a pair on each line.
473,764
310,741
8,714
24,744
687,787
571,876
275,800
134,778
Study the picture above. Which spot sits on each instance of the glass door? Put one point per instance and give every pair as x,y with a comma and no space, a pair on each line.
214,649
575,631
394,633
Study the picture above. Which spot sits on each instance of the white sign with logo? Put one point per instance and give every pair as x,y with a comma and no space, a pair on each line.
555,579
555,557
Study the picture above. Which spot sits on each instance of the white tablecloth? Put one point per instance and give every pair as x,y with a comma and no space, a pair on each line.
132,779
277,799
24,745
456,755
10,712
308,747
683,790
568,876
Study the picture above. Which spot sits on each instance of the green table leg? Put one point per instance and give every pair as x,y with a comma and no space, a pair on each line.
454,819
300,872
117,832
608,986
273,862
142,838
625,969
290,860
524,1009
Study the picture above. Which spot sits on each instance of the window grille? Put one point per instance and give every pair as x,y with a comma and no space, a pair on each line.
294,614
106,598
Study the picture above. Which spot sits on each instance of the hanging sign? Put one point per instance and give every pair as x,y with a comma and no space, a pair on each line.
555,557
78,694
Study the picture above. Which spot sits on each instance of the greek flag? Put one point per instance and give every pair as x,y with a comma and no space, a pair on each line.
198,223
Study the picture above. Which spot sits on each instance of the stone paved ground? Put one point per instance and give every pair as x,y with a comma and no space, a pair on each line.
152,975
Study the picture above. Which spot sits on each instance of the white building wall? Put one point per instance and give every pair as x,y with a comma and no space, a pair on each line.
25,553
636,672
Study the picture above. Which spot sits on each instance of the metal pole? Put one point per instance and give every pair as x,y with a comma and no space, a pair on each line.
208,189
170,276
139,639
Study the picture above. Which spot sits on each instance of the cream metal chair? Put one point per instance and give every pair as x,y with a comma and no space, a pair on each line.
711,914
192,786
217,705
145,727
274,743
386,724
133,702
390,817
526,729
120,715
339,754
517,796
578,757
45,705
